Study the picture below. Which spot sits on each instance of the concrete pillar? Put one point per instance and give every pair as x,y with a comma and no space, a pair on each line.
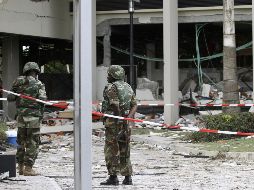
94,63
84,68
10,52
170,36
150,52
106,50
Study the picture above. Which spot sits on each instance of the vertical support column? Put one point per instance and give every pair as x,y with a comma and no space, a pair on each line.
106,50
150,52
84,61
10,52
170,35
94,61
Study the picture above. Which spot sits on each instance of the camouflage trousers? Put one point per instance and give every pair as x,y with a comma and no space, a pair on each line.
28,140
117,152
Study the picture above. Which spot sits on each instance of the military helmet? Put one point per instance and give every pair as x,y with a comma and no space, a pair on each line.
117,72
31,66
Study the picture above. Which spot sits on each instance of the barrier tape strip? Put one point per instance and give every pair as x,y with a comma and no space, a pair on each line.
62,105
195,129
61,101
200,105
160,104
52,101
193,105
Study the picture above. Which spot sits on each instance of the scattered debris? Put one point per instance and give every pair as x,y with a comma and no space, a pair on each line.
147,86
67,114
195,156
4,175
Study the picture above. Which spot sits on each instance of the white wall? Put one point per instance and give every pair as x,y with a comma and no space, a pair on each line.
46,19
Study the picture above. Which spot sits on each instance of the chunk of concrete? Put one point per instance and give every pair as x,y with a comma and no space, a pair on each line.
210,112
206,90
251,109
191,84
144,94
145,83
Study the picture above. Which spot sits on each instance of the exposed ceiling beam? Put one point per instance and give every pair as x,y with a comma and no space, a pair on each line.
104,5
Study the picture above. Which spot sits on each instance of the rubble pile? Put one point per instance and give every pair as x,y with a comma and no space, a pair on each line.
212,93
147,89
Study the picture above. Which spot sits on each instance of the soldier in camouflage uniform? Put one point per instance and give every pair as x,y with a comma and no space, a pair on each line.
29,115
120,100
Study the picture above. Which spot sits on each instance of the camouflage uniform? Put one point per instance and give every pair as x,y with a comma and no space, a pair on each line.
29,115
117,152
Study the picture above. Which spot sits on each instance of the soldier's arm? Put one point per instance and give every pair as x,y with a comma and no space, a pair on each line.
15,85
133,107
114,100
42,92
105,103
42,96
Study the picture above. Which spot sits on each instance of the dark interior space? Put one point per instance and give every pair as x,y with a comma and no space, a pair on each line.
106,5
56,57
120,44
210,43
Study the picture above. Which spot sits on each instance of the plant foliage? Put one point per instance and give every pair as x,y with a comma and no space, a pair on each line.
235,122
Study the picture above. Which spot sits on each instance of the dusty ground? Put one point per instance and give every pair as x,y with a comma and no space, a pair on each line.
56,160
155,167
159,168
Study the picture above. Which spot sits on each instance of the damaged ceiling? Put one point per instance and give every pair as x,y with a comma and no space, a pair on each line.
106,5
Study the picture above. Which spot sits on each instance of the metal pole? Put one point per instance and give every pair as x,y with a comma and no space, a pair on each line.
131,11
83,60
170,46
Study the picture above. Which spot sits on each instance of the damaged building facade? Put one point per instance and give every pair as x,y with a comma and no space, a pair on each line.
175,43
198,67
39,31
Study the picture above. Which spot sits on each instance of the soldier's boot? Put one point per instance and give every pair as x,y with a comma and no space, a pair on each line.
29,171
112,180
21,169
127,180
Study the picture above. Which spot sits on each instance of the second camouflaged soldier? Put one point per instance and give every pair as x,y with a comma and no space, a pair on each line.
29,115
119,99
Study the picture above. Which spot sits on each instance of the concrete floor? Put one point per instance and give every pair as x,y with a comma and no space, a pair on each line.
157,164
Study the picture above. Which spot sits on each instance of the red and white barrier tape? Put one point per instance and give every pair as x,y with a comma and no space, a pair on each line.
200,105
62,105
173,127
60,101
193,105
129,119
51,102
216,131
